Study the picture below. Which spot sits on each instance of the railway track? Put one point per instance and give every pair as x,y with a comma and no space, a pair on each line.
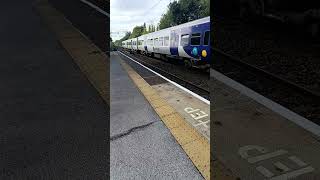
269,44
299,99
203,92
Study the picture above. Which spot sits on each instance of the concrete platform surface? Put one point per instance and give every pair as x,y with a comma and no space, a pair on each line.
141,146
53,122
257,143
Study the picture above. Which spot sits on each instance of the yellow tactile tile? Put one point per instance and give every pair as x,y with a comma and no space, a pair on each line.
173,121
185,134
158,103
153,97
140,82
199,152
165,110
136,77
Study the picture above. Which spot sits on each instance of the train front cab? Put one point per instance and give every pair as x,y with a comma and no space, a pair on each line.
195,44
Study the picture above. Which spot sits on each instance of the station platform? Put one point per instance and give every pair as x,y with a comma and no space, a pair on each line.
253,141
141,146
54,123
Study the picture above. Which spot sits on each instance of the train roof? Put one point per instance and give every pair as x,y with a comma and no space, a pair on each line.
191,23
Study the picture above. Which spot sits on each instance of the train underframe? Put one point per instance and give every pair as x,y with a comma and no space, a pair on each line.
188,62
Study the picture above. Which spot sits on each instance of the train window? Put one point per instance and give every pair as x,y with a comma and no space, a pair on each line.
166,41
150,42
206,38
195,39
161,41
156,42
184,40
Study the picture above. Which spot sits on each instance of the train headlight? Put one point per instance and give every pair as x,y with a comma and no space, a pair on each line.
194,51
204,53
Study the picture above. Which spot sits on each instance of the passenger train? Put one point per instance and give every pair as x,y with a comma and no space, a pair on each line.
189,42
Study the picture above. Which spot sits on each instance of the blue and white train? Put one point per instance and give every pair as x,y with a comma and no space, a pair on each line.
189,42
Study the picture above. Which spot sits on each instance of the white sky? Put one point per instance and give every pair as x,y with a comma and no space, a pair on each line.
126,14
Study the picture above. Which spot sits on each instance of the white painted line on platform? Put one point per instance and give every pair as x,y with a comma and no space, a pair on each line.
264,171
284,112
281,166
266,156
297,161
172,82
95,7
294,173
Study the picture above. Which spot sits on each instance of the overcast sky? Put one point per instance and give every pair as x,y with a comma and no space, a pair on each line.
125,14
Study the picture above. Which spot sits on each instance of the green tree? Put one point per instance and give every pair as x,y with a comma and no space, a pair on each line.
183,11
137,31
126,36
149,28
145,31
118,42
153,28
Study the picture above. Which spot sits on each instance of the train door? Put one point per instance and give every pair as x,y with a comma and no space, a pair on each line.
174,42
145,38
137,40
205,53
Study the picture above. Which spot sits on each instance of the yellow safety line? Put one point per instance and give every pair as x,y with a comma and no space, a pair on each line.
192,142
90,59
